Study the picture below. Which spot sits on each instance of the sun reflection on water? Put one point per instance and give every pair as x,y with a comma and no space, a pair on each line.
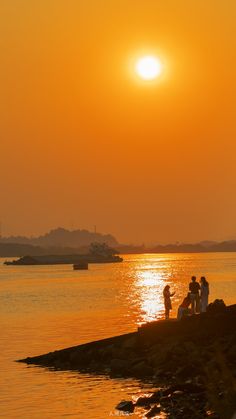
149,283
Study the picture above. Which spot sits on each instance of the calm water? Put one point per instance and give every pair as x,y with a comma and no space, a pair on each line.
51,307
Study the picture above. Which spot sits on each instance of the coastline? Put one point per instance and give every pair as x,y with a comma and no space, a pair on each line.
194,355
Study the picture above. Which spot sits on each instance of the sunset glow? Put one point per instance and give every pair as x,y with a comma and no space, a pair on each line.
131,123
148,67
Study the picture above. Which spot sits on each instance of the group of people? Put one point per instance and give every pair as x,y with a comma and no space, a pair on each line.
197,298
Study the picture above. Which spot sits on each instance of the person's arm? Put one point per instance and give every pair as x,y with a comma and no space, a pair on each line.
173,293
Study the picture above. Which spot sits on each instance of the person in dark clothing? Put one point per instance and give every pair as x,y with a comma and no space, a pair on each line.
183,309
194,289
167,300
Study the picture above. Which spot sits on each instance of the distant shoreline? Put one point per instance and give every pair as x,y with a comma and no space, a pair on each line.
23,249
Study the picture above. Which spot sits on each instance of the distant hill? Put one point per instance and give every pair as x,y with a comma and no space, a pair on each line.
64,242
202,247
60,237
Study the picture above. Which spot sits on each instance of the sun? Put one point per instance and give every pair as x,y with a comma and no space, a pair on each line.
148,67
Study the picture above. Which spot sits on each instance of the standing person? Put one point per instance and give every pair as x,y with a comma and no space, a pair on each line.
194,289
167,300
204,293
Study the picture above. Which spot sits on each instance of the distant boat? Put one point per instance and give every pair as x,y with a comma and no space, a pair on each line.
80,266
64,259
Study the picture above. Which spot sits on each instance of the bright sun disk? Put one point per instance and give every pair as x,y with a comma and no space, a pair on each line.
148,67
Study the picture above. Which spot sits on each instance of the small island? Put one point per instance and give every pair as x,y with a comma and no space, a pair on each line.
98,253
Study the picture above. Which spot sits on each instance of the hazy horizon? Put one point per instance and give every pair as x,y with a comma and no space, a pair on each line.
139,243
84,142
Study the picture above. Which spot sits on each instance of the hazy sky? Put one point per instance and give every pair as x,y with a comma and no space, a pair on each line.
84,142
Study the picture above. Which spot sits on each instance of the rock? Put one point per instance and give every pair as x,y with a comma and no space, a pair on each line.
178,394
188,371
212,415
143,401
216,307
188,388
130,343
119,366
155,397
165,401
141,369
148,399
126,406
157,359
155,410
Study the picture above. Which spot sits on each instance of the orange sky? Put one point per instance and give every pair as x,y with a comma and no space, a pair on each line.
84,142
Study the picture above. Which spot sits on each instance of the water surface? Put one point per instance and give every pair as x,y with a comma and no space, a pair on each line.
43,308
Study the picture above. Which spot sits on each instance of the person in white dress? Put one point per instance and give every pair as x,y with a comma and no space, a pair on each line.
204,293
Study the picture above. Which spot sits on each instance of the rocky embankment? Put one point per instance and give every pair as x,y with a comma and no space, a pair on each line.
192,362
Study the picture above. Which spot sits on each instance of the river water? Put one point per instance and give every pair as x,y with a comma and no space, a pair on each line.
44,308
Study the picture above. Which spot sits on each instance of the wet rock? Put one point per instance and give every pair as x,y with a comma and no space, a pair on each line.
148,399
177,394
143,401
155,397
155,410
126,406
165,401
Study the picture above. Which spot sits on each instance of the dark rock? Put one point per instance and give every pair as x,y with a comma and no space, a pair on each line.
148,399
143,401
155,410
125,406
165,401
155,397
216,307
212,415
178,394
142,369
188,388
118,366
130,343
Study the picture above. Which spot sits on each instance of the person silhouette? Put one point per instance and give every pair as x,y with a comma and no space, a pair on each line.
204,293
194,289
167,301
183,309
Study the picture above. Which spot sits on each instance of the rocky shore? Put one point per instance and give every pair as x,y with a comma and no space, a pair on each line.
192,363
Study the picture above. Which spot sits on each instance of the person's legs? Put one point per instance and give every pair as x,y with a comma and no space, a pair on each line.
167,311
204,304
193,303
197,303
181,312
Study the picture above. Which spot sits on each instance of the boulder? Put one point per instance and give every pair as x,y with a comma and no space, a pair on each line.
155,410
126,406
216,307
149,399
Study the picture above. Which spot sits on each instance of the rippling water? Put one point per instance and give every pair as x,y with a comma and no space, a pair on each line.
44,308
